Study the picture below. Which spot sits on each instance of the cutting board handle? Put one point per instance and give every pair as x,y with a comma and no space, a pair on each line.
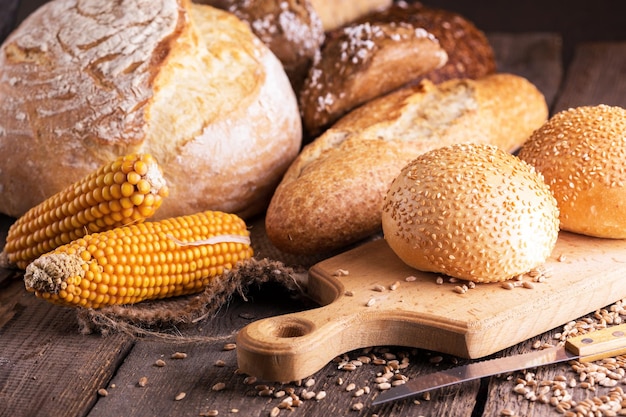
294,346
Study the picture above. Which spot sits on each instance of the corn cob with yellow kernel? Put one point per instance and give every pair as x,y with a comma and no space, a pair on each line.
150,260
127,190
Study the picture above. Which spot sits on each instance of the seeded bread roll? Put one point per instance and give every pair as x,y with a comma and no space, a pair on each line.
336,13
292,30
581,153
362,62
332,194
471,211
84,81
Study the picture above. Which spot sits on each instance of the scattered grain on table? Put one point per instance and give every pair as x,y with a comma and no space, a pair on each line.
586,389
218,386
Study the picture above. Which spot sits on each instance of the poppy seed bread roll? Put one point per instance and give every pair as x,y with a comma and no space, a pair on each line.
83,81
581,153
471,211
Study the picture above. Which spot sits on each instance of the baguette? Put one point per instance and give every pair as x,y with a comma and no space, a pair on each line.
332,194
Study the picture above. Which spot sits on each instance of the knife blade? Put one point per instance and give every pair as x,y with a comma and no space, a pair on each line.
599,344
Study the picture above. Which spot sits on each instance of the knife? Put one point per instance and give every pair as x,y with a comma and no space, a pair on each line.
599,344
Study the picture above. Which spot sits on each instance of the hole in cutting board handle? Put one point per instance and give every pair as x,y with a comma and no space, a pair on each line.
289,327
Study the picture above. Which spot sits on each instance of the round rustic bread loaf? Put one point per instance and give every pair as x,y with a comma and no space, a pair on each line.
471,211
84,81
581,153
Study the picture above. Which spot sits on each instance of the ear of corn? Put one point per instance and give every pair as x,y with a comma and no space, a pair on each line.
151,260
128,190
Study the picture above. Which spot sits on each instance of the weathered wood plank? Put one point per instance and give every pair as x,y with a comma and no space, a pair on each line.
597,76
47,368
535,56
197,374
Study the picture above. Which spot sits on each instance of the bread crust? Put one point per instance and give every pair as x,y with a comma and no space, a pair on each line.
188,83
332,194
376,54
362,62
581,152
470,54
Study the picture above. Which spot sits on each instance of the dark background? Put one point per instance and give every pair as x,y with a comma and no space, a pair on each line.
575,20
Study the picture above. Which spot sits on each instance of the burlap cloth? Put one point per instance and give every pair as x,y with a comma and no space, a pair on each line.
269,265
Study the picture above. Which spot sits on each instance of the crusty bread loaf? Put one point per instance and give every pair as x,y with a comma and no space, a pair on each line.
377,54
581,153
362,62
336,13
82,82
332,194
470,54
449,204
292,30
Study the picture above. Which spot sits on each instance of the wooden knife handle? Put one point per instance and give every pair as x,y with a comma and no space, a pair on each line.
599,344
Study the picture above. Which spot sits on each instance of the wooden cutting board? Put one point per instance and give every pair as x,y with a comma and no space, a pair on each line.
585,274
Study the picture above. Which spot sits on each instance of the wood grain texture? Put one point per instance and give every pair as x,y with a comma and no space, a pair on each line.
597,76
47,368
540,62
42,341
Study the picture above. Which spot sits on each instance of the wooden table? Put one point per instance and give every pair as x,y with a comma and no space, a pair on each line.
48,368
